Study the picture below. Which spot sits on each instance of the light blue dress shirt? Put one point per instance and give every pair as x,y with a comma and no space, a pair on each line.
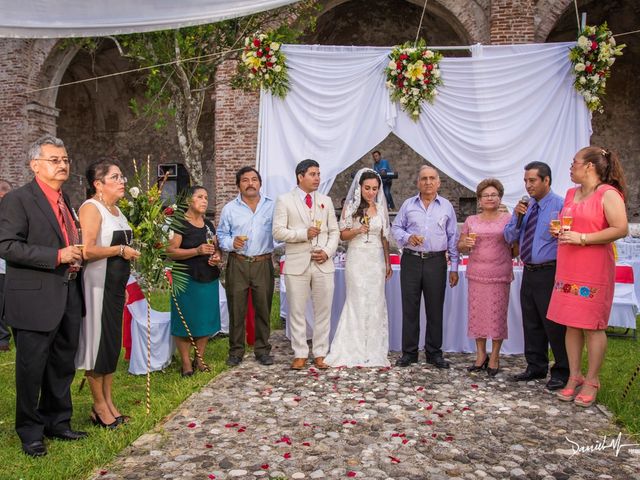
437,224
545,245
238,219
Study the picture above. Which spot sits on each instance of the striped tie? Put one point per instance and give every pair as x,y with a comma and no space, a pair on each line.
526,248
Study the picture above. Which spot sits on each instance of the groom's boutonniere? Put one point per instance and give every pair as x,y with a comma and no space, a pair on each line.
322,206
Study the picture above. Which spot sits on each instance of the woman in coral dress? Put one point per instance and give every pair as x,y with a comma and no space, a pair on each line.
585,275
489,274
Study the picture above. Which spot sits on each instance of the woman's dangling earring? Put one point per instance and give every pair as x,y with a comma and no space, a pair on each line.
100,197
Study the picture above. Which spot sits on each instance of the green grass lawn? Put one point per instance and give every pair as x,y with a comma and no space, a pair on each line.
75,460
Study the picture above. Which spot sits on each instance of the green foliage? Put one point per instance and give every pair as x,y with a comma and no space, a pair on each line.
413,75
152,223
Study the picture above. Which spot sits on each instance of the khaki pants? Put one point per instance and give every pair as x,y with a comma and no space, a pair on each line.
319,285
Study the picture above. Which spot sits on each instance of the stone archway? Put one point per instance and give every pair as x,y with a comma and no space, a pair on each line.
617,128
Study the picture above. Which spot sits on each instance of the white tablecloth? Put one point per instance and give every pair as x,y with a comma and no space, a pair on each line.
455,313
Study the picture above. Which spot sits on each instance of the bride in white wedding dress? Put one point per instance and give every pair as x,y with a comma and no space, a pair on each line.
362,336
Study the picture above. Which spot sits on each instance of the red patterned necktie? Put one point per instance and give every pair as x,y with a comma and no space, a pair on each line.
69,225
307,200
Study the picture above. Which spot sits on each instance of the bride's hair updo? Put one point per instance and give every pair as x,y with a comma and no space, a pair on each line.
367,175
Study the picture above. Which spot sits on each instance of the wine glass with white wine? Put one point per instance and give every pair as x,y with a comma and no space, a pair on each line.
365,221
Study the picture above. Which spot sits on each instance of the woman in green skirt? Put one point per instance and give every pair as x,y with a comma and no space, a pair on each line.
195,248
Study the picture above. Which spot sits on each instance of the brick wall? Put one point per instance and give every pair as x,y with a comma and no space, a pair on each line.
512,21
236,133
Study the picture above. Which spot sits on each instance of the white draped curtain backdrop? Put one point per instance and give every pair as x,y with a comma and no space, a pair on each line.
92,18
499,109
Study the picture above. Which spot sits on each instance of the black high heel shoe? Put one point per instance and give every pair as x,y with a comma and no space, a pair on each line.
492,372
97,421
477,368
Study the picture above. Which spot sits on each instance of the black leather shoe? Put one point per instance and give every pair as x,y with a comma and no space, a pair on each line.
405,361
528,375
67,434
439,362
234,361
555,384
265,359
34,449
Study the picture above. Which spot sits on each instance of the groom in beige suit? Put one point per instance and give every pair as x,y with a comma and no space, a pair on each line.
306,221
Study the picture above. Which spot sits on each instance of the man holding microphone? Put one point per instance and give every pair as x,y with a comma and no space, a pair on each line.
529,226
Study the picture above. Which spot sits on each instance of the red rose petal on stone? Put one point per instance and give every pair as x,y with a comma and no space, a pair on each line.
448,439
265,466
419,389
421,400
211,476
306,444
405,441
242,430
429,422
353,422
361,401
287,455
208,445
192,425
464,409
394,459
395,434
434,435
296,399
429,407
210,410
351,473
306,424
448,411
473,385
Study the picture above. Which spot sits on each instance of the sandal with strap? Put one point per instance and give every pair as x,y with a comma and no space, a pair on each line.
569,394
586,401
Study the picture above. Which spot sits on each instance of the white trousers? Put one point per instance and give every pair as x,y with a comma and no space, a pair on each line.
320,286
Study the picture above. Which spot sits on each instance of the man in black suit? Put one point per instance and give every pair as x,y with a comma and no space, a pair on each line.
43,300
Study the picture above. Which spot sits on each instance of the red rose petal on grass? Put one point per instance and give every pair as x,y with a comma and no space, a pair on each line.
394,459
208,445
192,425
103,472
306,444
287,455
351,473
264,466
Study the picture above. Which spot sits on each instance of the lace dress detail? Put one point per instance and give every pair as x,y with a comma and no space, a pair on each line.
362,335
489,273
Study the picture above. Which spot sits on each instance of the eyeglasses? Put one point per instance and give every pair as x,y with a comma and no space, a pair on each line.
117,178
490,195
57,161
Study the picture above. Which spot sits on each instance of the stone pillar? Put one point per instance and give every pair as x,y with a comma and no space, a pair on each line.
236,133
512,21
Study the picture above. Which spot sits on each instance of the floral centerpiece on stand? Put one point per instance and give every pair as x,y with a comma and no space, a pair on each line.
592,59
413,75
263,65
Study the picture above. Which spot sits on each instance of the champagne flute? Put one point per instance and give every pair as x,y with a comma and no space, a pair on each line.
211,238
80,245
472,236
555,223
245,239
318,224
567,220
365,221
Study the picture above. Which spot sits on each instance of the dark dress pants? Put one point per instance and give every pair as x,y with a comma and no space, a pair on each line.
386,188
427,278
5,335
241,277
539,332
45,367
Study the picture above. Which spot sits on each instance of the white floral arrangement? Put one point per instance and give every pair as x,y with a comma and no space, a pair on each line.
264,65
592,59
413,75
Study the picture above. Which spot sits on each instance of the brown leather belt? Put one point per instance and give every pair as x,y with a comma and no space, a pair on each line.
532,267
423,255
257,258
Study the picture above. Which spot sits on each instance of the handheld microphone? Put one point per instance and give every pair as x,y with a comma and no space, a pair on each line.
525,200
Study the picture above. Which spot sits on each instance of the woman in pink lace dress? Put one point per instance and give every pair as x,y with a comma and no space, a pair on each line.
489,274
585,275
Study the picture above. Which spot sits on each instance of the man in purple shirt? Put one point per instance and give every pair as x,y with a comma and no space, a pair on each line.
426,228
